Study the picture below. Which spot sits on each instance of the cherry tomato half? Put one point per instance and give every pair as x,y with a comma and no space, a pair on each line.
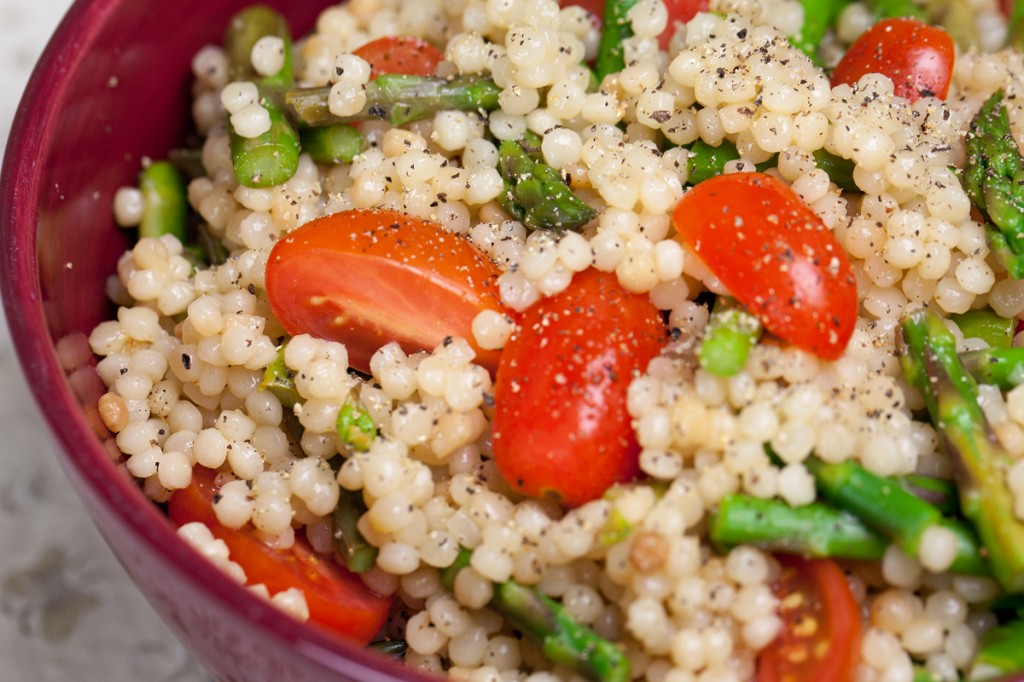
368,277
917,57
400,54
337,599
679,12
775,256
561,429
821,630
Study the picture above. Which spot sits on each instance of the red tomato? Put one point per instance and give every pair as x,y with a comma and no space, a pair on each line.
679,11
400,54
917,57
368,277
775,256
561,429
821,629
338,600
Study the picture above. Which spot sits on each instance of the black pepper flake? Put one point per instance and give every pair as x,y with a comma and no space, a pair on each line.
186,361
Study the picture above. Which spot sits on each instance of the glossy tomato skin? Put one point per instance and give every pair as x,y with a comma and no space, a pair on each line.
337,599
821,630
400,54
917,57
369,277
679,11
775,256
560,424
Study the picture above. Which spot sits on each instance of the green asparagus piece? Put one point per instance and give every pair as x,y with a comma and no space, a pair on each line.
164,202
986,325
562,639
535,194
614,30
993,176
332,144
819,16
399,99
941,493
1000,652
730,334
349,544
392,648
188,161
707,161
930,364
814,530
1002,367
212,248
840,170
355,426
279,379
884,506
1017,26
273,157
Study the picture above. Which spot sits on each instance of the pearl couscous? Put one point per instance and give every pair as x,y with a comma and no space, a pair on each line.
186,358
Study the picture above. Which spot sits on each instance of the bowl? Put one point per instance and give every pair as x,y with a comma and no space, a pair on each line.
111,88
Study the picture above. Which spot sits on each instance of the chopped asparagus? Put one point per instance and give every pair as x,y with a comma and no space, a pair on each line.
399,99
986,325
730,334
707,161
279,379
1000,652
938,492
615,28
352,549
392,648
993,176
535,194
355,426
1017,26
814,530
164,201
1002,367
930,364
273,157
886,507
562,639
819,16
332,144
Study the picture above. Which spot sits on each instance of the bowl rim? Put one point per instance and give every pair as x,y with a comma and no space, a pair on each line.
21,294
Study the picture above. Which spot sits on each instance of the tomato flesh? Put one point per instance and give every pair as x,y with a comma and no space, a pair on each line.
401,55
775,256
916,56
821,631
337,599
561,428
369,277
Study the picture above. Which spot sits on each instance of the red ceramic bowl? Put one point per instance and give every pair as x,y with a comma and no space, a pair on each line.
112,87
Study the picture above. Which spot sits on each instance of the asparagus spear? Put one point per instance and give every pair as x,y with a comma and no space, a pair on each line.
930,364
993,177
280,380
563,640
938,492
399,99
707,161
392,648
1000,652
165,205
338,143
883,505
986,325
535,194
1002,367
349,544
728,338
615,28
355,426
814,530
273,157
1017,26
819,16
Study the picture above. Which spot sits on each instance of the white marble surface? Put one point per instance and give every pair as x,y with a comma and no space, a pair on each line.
67,608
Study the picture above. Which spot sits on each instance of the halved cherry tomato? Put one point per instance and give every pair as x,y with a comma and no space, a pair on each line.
337,599
821,628
775,256
368,277
917,57
561,429
400,54
679,12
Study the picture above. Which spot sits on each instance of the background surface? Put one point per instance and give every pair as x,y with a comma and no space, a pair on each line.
67,608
